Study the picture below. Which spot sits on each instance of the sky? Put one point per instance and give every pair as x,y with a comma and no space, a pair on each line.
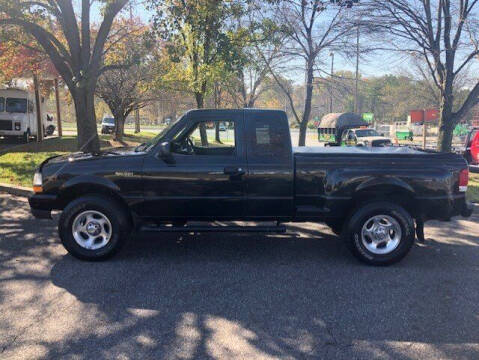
374,64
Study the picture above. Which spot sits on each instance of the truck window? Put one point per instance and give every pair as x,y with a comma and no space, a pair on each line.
269,139
2,104
218,139
16,105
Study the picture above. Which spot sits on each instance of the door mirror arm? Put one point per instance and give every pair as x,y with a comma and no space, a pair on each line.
165,153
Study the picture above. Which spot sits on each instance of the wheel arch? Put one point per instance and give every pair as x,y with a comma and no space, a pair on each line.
91,185
393,190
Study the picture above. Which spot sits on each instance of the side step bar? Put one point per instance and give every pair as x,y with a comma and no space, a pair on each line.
214,228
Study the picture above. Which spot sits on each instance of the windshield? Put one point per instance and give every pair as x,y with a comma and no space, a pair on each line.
2,104
15,105
110,121
150,143
366,132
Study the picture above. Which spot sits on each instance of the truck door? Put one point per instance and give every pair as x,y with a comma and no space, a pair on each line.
205,179
269,182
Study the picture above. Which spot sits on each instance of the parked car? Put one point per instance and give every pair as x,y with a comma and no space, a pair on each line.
107,125
371,196
471,153
48,127
364,137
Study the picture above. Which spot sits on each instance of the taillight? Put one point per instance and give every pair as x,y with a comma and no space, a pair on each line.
463,180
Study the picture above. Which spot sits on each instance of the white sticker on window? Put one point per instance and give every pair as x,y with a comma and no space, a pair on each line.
262,135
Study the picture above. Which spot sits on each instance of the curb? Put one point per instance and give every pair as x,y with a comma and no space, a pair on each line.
16,190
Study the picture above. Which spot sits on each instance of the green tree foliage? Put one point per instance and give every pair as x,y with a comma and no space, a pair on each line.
196,39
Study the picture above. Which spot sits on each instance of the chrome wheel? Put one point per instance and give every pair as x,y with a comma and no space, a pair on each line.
91,230
381,234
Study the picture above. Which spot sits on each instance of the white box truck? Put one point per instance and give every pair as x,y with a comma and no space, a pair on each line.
18,114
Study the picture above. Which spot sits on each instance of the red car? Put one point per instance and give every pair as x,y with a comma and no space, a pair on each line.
472,147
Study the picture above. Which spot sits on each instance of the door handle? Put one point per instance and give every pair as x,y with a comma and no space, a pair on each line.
234,171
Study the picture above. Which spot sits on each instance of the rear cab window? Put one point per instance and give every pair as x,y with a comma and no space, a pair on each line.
268,138
2,104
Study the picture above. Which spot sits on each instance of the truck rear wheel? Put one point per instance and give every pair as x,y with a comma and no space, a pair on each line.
379,233
93,227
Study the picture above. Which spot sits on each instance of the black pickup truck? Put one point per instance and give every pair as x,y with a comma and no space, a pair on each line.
238,165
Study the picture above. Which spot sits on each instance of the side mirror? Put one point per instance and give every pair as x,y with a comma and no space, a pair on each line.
165,153
382,134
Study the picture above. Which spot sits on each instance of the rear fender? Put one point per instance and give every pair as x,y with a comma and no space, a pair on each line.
384,182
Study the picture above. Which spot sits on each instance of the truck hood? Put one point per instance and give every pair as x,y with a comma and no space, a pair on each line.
82,156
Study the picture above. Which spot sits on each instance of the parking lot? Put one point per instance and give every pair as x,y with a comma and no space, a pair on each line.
299,295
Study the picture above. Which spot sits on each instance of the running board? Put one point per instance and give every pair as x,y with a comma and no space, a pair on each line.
217,228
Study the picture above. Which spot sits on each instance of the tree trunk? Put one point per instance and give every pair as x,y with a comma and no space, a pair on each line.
119,127
137,121
200,96
38,108
447,122
303,126
84,100
217,132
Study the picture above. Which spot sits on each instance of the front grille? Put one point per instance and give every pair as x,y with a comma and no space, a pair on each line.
5,124
381,143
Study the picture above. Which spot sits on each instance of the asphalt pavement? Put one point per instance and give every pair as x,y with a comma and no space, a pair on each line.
298,295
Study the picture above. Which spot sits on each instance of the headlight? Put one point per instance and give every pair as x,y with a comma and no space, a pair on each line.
37,182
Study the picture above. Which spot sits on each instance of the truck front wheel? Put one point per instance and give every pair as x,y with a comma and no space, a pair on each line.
379,233
93,227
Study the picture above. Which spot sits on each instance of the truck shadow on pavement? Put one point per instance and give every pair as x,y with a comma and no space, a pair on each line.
253,296
238,296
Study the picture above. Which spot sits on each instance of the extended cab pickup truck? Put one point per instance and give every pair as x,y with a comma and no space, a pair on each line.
248,171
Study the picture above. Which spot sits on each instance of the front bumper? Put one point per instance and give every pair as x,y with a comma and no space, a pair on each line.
41,205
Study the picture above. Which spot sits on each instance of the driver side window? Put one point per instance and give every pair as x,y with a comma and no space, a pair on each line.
207,138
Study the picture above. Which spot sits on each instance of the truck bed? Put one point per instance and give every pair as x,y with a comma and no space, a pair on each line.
327,179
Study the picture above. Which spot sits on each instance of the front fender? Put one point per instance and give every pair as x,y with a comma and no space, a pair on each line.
91,181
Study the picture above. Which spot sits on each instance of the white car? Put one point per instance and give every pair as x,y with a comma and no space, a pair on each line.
107,125
364,137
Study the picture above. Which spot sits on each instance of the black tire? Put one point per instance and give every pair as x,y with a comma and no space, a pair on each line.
362,215
111,209
26,136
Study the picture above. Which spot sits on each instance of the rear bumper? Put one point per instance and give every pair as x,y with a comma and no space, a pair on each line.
444,208
41,205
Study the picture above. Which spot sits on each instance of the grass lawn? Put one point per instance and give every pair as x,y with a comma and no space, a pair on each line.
473,188
18,165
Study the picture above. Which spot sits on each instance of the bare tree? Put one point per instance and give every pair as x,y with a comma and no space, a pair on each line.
75,50
124,91
309,28
445,34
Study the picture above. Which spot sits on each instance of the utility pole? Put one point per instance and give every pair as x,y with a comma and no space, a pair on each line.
356,91
59,115
331,83
38,107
